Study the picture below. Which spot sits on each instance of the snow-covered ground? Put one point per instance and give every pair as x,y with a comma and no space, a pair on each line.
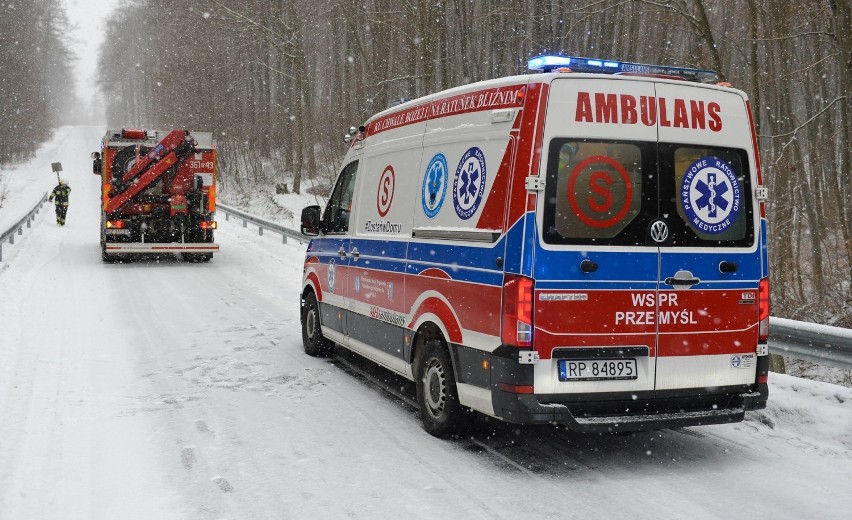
163,389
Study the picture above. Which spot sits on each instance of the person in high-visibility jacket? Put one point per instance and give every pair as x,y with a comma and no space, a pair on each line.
60,193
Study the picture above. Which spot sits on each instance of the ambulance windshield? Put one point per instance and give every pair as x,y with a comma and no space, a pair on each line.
609,192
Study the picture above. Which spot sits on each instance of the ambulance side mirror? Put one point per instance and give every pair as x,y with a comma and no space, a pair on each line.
311,221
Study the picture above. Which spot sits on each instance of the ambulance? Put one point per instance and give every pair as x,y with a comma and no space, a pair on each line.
584,246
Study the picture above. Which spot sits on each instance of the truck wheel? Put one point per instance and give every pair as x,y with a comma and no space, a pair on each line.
104,256
196,257
315,343
437,395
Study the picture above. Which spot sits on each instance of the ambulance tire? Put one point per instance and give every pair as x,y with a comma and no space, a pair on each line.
315,343
440,410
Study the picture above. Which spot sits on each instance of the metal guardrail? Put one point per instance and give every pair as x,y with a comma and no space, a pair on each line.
262,224
797,339
18,227
821,344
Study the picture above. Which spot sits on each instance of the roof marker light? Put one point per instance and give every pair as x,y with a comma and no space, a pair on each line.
549,63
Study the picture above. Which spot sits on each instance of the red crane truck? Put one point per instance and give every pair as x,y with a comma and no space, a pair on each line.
158,193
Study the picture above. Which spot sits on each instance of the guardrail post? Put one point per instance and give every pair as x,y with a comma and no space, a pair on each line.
260,230
227,216
283,238
245,223
18,228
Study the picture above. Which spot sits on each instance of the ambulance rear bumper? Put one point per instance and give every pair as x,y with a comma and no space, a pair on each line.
593,414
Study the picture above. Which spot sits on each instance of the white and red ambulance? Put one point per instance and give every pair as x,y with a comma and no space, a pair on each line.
585,246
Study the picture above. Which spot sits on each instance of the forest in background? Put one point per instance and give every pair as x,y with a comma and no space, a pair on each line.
36,82
279,82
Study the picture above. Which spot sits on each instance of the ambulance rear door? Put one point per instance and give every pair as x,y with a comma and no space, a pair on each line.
595,267
710,265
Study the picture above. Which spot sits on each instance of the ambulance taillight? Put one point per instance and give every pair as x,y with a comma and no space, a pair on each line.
517,311
763,310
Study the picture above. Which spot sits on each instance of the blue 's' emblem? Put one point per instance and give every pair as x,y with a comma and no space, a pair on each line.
434,185
332,278
390,291
469,183
710,195
357,284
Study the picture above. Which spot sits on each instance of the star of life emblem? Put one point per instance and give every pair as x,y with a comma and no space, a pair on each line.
710,195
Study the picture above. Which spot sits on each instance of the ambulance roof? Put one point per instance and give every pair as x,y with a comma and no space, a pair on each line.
545,77
562,64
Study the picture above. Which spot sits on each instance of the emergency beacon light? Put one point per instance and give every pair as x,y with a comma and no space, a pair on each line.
549,63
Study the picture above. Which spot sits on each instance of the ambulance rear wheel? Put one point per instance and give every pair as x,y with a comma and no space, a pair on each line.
315,343
440,410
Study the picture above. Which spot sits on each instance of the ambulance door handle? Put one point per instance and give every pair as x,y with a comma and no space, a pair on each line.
354,253
341,253
587,266
688,282
682,278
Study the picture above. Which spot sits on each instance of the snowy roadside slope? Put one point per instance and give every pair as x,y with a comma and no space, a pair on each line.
161,389
27,182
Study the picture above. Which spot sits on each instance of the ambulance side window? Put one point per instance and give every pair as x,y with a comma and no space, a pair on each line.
336,216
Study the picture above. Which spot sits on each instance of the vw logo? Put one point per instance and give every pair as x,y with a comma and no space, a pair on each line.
659,231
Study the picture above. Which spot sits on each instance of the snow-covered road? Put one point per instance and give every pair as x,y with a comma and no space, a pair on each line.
163,389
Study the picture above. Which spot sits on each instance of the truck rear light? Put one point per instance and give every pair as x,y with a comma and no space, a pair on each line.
517,311
208,224
211,199
763,310
115,224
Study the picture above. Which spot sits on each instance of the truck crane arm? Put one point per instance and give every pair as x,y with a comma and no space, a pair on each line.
173,149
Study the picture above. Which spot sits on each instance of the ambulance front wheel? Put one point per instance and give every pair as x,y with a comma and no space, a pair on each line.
315,343
437,396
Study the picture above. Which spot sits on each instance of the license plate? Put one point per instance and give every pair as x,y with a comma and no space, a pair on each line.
117,231
597,369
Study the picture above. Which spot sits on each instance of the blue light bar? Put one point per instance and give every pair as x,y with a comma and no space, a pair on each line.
595,66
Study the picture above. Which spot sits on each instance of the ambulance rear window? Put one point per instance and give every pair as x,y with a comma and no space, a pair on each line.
604,192
595,191
711,190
